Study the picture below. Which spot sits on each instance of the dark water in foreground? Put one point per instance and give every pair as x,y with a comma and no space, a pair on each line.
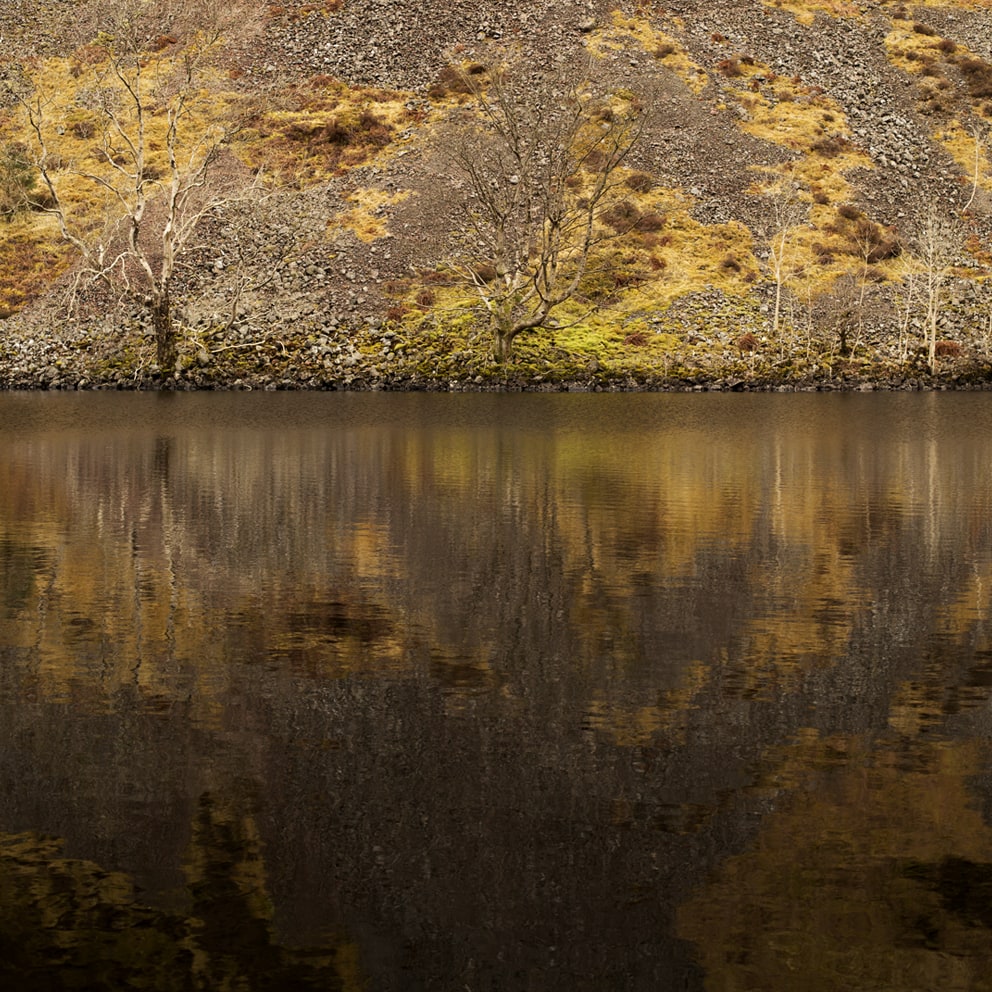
496,692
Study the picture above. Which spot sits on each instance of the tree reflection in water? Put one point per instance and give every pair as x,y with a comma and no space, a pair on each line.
497,692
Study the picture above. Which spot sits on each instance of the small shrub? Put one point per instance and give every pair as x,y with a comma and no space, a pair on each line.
746,343
426,298
831,146
451,81
946,46
849,212
947,349
395,313
650,222
639,182
335,133
978,77
622,216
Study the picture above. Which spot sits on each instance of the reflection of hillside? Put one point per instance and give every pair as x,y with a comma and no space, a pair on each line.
63,917
343,550
875,875
564,658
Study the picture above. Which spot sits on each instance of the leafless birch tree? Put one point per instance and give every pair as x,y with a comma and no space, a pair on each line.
540,159
937,243
785,211
157,144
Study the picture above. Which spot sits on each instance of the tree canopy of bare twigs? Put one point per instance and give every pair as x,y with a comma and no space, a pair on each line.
785,211
130,163
937,242
539,157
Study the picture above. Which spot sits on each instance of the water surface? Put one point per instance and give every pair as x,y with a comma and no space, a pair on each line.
506,693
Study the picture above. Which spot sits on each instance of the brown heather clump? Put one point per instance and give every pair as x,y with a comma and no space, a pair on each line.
746,343
831,147
977,75
639,182
622,216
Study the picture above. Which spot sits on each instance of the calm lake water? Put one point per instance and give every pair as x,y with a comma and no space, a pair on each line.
497,693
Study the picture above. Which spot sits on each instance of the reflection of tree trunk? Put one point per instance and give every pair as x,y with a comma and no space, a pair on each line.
165,336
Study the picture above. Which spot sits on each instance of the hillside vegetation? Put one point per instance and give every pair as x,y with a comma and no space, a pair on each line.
807,199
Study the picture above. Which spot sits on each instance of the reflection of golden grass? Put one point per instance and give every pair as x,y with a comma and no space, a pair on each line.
838,875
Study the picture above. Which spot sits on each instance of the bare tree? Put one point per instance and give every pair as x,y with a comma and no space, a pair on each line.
785,211
158,145
540,158
938,241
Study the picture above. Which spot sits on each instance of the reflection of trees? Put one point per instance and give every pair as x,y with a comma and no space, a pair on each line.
567,663
62,917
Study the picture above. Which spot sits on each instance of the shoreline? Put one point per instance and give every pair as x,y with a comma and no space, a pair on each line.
972,380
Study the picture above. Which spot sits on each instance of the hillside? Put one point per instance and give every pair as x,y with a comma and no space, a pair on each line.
341,269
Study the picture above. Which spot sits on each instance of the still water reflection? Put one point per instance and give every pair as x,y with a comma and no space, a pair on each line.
495,692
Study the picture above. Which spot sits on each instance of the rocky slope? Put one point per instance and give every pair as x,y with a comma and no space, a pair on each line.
877,110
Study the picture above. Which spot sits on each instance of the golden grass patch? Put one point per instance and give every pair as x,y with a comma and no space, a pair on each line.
624,31
971,155
369,216
805,11
324,129
30,261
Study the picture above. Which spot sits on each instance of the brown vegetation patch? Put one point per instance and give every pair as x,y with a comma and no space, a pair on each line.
746,343
977,75
455,80
27,268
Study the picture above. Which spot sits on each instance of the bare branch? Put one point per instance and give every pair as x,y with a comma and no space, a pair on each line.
539,159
